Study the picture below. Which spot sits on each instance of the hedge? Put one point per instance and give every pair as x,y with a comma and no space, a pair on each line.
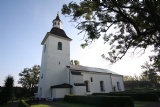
22,103
135,96
103,101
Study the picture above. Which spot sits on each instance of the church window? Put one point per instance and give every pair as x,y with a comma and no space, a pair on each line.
58,23
54,23
87,86
44,48
102,85
118,86
59,63
59,46
91,79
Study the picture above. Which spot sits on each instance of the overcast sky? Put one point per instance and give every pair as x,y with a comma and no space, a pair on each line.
23,25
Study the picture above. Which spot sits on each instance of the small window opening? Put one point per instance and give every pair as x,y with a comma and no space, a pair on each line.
44,47
41,76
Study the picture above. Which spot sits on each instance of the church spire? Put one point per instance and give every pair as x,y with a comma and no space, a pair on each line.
57,22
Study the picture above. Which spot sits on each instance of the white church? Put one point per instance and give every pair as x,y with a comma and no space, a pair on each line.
58,77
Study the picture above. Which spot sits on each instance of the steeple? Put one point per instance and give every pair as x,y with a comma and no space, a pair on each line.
57,22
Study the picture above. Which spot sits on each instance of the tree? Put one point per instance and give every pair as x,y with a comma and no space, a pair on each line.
7,91
150,72
136,24
29,78
75,62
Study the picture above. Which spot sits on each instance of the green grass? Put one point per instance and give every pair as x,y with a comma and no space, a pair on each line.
142,104
42,105
51,104
10,103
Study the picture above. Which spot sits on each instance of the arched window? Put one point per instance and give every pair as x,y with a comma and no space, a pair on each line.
102,85
118,86
91,79
54,23
87,86
59,46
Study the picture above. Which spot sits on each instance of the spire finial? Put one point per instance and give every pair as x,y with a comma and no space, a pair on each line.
58,13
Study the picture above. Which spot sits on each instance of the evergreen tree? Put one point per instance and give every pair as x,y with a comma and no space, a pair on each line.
7,90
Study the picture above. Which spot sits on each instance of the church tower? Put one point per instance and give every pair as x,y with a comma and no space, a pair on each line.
55,58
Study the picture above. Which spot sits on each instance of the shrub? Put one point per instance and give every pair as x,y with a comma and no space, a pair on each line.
154,92
103,101
22,103
135,96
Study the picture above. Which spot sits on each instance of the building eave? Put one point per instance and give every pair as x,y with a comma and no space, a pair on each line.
50,34
65,85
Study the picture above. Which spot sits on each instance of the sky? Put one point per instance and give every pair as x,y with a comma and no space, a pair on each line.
24,24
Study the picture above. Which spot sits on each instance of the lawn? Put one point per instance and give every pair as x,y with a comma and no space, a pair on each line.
54,104
142,104
11,104
42,105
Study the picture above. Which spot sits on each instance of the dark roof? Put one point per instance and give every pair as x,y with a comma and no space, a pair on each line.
65,85
76,73
59,32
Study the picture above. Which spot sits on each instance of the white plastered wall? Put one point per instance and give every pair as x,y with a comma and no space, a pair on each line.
53,64
94,86
60,92
115,79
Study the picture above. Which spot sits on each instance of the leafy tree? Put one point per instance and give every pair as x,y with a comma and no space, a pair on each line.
29,78
7,91
136,24
75,62
150,72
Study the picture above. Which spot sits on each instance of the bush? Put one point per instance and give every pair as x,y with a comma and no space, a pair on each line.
154,92
22,103
135,96
103,101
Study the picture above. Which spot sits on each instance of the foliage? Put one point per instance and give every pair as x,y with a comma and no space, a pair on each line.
136,24
150,72
100,100
7,91
75,62
29,78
